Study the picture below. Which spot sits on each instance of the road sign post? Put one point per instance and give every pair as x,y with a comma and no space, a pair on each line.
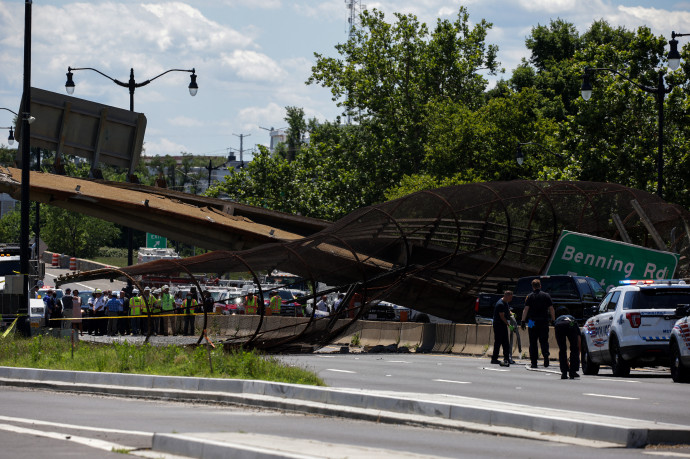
609,261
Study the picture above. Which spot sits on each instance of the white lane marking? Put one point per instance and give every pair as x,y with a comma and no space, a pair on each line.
612,396
91,442
326,356
51,275
340,371
87,287
492,369
666,453
73,426
616,380
397,361
450,381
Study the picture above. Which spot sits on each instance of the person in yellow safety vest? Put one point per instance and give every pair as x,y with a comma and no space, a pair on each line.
155,311
274,304
136,303
189,305
167,303
250,304
149,304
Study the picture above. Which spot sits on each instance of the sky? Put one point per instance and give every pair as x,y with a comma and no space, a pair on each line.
252,57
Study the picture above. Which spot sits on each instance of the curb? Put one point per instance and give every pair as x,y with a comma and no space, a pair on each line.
396,408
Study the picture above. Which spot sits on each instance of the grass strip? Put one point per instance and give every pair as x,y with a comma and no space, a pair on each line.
55,354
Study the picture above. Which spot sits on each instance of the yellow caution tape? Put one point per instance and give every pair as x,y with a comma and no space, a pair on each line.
9,329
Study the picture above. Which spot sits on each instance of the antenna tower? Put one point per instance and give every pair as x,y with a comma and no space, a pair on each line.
355,7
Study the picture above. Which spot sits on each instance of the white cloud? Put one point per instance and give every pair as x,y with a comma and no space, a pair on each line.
659,20
267,116
332,10
250,65
551,6
162,147
262,4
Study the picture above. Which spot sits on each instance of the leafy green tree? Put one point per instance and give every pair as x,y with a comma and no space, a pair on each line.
387,73
297,127
9,227
74,233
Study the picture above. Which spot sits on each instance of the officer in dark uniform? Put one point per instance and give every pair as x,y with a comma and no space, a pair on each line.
567,331
500,324
538,310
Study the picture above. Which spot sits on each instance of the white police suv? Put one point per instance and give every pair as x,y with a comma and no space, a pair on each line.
679,347
632,327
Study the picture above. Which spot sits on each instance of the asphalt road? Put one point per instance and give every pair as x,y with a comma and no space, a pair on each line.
128,421
645,394
103,284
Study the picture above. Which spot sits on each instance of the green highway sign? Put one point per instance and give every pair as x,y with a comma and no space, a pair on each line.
156,242
608,261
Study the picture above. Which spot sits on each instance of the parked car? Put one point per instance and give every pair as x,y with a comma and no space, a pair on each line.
580,294
633,326
289,305
679,345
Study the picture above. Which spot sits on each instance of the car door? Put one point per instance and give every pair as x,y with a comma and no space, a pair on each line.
592,332
603,323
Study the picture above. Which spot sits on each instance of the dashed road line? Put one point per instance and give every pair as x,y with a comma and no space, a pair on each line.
619,397
340,371
451,381
617,380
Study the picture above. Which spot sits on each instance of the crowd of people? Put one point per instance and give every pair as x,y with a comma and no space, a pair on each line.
126,312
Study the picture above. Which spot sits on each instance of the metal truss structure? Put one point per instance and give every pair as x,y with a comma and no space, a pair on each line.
435,250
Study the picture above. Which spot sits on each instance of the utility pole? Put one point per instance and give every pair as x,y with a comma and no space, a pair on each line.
242,136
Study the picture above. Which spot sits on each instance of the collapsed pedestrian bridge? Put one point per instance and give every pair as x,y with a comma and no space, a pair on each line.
434,250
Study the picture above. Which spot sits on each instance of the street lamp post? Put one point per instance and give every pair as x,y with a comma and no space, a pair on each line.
131,85
25,145
520,155
659,92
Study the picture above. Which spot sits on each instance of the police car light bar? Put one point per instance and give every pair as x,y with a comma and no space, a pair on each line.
652,281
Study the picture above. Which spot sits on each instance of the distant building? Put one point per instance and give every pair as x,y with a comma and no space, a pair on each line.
7,204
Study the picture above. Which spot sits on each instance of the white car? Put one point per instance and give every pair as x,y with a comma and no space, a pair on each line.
680,346
633,326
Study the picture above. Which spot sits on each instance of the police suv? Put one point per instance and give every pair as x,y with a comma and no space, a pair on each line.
680,346
633,325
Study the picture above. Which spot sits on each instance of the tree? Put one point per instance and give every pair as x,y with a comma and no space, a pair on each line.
297,127
74,233
388,73
9,227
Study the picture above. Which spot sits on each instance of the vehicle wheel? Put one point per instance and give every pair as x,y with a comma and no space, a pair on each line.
679,373
619,366
588,367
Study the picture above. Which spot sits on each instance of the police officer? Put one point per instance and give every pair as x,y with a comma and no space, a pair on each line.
567,331
500,324
538,310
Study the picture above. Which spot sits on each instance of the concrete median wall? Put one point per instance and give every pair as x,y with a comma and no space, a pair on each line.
460,341
411,334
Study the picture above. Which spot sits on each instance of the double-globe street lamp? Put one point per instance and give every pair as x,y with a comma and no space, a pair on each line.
131,85
10,138
659,92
